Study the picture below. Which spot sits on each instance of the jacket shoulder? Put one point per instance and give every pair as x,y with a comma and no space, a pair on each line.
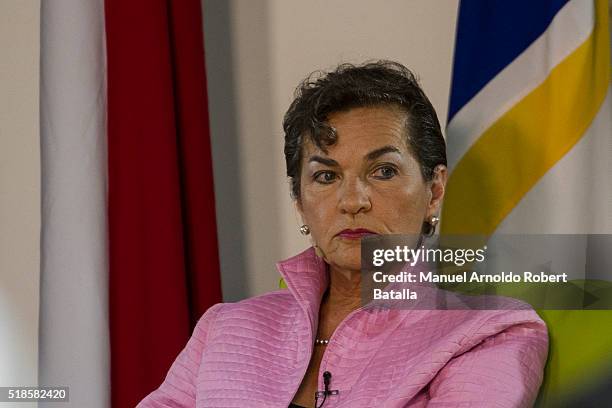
268,309
281,297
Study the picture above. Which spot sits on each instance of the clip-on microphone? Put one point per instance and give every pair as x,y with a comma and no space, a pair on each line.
326,379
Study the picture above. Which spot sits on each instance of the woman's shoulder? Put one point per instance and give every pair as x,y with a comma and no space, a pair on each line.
523,321
469,326
500,326
280,297
506,313
271,303
487,313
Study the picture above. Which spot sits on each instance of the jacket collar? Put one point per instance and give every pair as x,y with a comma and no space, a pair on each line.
307,278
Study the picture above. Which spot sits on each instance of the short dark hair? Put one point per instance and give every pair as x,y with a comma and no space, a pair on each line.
378,83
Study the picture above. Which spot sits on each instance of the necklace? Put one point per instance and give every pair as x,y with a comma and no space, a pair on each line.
323,342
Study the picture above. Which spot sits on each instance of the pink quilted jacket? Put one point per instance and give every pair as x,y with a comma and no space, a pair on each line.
254,353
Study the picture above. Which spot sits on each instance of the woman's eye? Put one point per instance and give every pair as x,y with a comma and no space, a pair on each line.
324,177
385,172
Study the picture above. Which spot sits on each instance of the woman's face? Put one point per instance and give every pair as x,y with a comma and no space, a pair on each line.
368,180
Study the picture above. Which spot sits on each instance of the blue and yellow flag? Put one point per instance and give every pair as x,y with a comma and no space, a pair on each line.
529,139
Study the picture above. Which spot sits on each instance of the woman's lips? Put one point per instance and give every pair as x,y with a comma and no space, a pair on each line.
355,233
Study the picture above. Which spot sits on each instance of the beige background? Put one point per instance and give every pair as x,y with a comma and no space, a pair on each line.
19,192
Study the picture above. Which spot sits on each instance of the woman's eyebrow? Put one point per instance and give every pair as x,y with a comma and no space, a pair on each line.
323,160
374,154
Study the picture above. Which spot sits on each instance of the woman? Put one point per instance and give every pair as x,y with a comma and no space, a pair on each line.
365,155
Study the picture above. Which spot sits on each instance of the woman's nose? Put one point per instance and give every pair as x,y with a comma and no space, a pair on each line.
354,197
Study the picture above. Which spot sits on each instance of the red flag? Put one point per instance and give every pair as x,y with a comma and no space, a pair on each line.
164,266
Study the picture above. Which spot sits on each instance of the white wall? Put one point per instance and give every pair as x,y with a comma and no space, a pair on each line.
256,53
19,192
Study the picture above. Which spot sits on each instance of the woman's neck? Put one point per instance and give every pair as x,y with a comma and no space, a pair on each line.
344,288
343,295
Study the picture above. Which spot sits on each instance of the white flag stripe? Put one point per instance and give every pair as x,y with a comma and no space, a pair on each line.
575,195
74,338
571,27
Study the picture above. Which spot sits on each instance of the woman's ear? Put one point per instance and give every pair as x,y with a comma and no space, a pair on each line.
437,187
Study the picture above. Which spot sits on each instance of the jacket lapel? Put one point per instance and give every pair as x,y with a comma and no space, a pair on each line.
307,278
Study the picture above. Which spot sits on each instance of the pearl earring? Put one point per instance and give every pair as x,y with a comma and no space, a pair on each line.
430,225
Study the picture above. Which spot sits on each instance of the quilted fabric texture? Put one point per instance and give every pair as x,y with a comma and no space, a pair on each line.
254,353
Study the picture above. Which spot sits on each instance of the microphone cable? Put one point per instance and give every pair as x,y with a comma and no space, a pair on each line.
326,379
